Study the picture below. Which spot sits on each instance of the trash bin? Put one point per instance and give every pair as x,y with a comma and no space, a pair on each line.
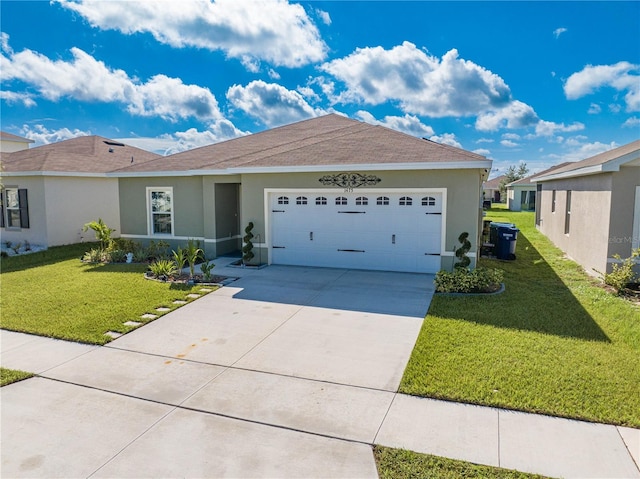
507,237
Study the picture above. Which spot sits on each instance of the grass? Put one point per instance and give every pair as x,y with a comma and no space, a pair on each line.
8,376
402,464
553,343
52,293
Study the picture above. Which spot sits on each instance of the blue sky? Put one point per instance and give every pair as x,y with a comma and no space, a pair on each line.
534,82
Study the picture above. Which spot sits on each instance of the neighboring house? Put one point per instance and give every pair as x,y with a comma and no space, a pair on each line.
10,143
521,194
591,209
329,191
49,192
491,189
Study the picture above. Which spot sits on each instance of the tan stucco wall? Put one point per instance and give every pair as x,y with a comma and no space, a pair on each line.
74,201
588,239
8,146
463,198
36,234
622,210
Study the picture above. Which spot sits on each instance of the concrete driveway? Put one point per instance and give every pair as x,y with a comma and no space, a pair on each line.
286,372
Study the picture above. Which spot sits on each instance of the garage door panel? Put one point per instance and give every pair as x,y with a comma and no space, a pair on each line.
392,237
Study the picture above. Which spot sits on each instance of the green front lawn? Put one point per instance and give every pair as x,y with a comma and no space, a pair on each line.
52,293
8,376
553,343
402,464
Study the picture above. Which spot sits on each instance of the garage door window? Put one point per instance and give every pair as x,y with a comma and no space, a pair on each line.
321,200
362,201
301,200
341,200
428,201
283,200
406,201
382,200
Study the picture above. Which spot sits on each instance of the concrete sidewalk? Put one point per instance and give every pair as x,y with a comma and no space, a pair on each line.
243,384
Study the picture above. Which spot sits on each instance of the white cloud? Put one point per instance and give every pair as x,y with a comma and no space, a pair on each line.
274,75
622,76
511,136
615,108
4,43
409,124
634,121
594,109
549,128
43,136
271,103
485,140
179,141
559,31
324,16
482,151
86,79
423,84
514,115
12,97
585,150
446,139
509,143
274,31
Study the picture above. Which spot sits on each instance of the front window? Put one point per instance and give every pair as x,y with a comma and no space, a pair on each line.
15,208
161,211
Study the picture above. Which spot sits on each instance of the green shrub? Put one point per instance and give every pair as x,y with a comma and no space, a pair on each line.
180,257
461,253
193,253
102,231
622,274
206,268
163,268
125,244
247,249
94,255
479,280
159,250
117,256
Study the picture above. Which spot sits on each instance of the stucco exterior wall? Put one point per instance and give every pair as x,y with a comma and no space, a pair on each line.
588,239
620,238
74,201
36,234
462,208
8,146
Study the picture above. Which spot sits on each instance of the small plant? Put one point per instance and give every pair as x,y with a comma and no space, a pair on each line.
8,244
163,268
102,231
16,247
117,256
206,268
461,253
480,280
158,250
247,249
193,252
27,245
622,273
180,257
125,244
94,255
140,254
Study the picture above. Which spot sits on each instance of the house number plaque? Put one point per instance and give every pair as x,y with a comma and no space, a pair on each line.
349,181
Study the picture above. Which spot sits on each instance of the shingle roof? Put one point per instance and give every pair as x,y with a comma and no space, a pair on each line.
528,179
84,154
323,141
590,165
11,137
494,183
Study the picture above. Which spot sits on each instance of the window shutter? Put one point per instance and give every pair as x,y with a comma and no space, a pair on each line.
1,209
24,208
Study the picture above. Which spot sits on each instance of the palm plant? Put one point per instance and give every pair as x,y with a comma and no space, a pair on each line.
193,253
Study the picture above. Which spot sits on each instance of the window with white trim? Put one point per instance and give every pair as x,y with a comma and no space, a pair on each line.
283,200
362,201
301,200
406,201
382,200
160,211
428,201
14,208
341,200
321,200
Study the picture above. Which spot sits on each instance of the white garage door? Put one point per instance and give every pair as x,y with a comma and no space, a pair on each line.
395,231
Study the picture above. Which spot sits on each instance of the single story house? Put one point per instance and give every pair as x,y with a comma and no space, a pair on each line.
49,192
590,209
10,143
328,191
521,194
491,189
